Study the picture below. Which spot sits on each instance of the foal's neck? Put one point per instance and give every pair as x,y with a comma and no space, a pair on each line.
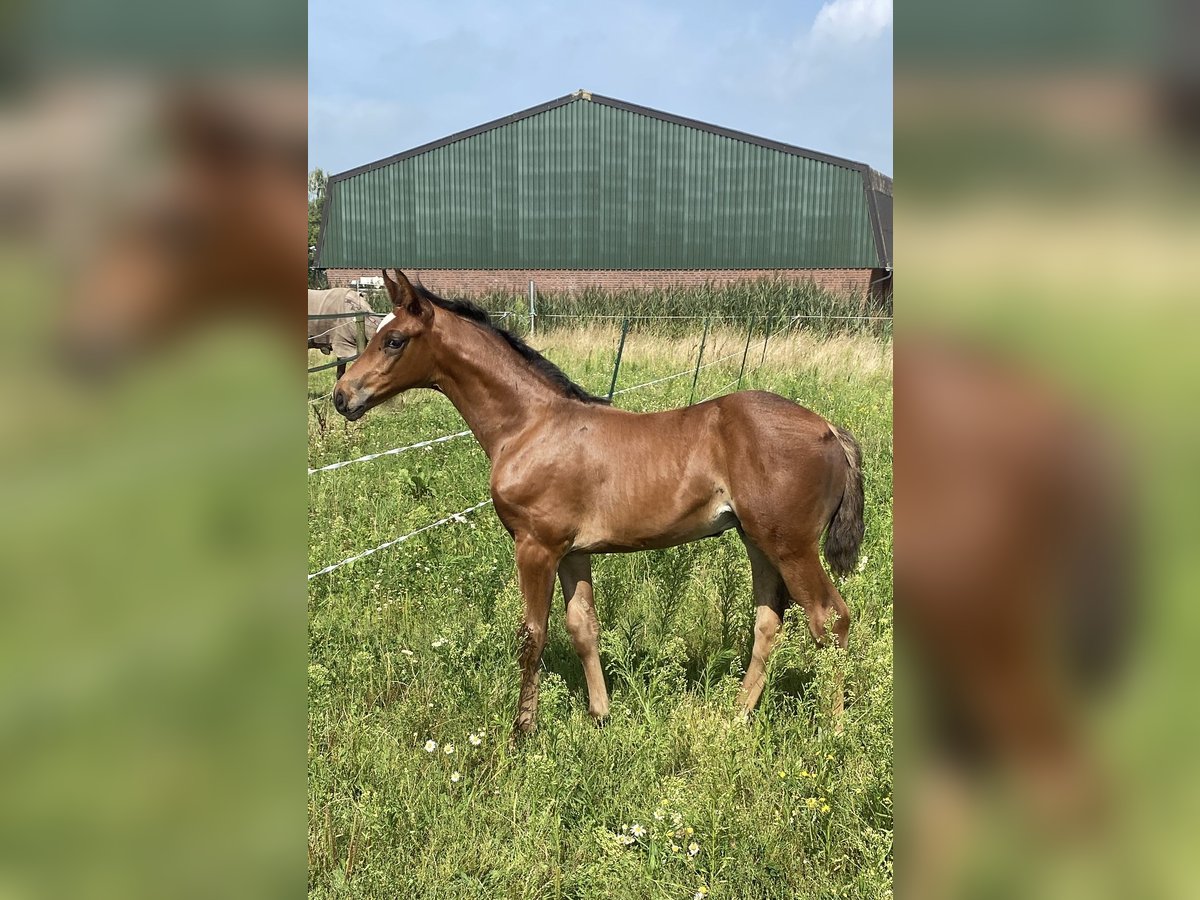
492,387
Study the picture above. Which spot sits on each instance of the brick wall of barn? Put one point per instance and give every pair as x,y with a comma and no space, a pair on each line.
451,282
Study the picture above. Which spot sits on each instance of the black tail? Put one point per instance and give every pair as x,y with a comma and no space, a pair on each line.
845,533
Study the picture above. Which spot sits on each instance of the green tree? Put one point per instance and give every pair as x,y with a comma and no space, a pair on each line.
317,182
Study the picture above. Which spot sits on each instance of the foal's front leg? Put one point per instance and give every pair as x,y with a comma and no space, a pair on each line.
536,565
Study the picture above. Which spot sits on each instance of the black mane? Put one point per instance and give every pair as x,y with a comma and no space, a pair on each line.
557,377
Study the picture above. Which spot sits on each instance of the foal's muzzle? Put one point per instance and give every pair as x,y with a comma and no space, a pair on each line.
342,404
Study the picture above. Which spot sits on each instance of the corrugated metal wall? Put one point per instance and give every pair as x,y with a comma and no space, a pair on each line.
590,186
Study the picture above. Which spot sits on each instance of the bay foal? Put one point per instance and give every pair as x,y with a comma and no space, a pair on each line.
572,476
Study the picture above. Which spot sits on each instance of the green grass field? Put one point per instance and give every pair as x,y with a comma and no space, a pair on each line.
674,796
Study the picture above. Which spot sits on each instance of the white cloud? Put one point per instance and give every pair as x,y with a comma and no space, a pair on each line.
850,21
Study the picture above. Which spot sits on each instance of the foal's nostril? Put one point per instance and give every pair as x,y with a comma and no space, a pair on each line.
339,401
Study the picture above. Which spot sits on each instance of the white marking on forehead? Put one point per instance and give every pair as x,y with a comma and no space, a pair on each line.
384,321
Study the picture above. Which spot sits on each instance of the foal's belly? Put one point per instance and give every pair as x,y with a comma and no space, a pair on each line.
654,531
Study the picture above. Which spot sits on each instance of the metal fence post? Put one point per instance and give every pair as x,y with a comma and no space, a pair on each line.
746,352
360,332
766,337
532,311
699,357
617,365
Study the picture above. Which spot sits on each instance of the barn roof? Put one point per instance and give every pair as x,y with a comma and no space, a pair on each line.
731,133
876,187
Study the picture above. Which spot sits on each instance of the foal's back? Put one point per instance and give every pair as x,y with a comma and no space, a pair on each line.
730,434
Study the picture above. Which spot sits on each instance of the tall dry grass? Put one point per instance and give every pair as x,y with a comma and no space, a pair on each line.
768,302
844,355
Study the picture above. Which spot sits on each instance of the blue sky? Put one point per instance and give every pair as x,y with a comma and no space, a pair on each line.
386,76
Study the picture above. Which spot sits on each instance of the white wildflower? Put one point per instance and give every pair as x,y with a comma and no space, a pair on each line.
430,746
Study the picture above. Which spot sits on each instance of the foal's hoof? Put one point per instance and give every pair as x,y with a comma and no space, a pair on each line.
599,714
522,729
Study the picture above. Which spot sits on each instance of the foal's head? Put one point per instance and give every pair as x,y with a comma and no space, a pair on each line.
397,357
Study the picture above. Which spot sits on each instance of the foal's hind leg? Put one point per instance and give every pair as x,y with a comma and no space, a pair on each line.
770,599
811,587
575,575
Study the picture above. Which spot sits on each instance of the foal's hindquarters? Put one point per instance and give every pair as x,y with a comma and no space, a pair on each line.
600,480
793,476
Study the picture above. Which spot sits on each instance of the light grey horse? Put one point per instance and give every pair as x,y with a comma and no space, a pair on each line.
338,336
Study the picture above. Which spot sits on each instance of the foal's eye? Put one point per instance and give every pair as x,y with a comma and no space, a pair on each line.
394,341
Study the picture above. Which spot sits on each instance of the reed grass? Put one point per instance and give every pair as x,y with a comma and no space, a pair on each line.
768,302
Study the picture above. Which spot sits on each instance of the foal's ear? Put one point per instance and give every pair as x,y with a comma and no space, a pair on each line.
404,296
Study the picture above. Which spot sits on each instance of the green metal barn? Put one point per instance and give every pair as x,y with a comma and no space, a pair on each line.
588,190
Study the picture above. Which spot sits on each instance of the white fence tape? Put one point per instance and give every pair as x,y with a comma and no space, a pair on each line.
453,517
333,327
392,452
677,374
719,390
